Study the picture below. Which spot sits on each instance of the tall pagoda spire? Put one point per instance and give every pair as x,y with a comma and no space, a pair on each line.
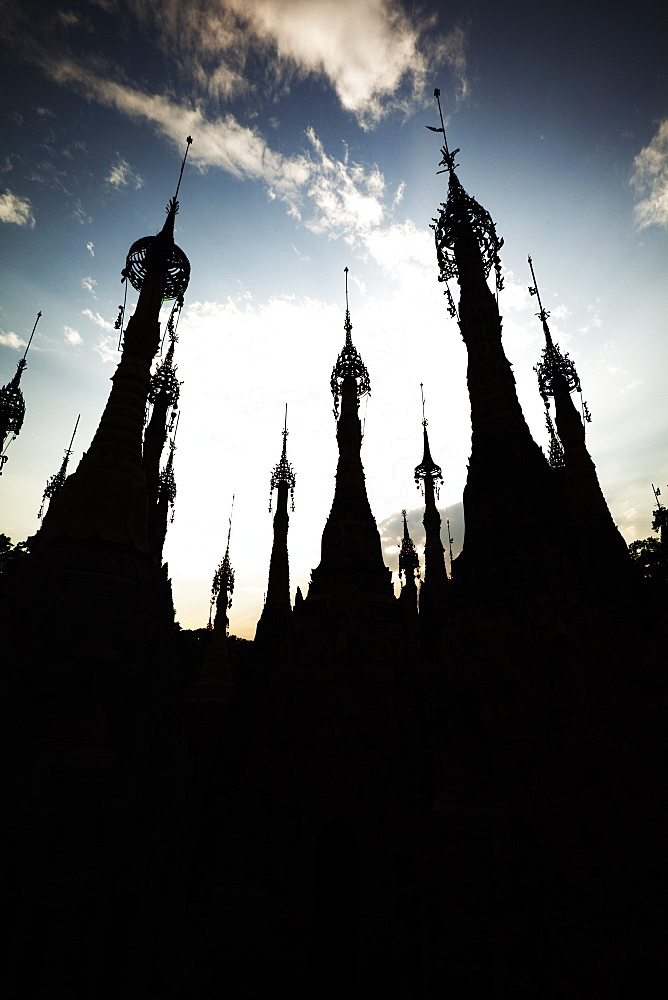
351,553
55,483
275,619
600,541
503,452
12,404
409,569
434,588
106,497
216,668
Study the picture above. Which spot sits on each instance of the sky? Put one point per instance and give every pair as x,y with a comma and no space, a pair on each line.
310,154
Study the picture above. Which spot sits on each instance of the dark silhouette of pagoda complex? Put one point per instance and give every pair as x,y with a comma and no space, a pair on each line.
452,793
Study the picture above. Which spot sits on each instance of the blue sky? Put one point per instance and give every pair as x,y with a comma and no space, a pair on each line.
310,154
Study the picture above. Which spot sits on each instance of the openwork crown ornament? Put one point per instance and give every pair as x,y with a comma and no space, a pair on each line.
461,213
178,268
409,562
349,363
178,265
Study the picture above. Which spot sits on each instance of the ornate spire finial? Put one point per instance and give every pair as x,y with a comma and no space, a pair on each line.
223,579
56,481
164,378
178,265
427,467
283,471
409,563
462,217
349,363
552,368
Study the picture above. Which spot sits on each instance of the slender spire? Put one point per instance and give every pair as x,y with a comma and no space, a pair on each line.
660,521
12,404
351,554
558,379
428,475
409,567
503,454
349,364
55,483
107,497
216,667
274,622
222,586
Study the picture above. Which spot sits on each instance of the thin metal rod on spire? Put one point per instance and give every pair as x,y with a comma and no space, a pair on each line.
188,144
346,273
543,314
450,541
424,419
31,335
69,450
229,530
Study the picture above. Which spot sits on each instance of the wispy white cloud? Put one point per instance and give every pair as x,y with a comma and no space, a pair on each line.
80,213
11,339
122,175
650,180
72,336
375,54
17,210
98,320
89,284
90,247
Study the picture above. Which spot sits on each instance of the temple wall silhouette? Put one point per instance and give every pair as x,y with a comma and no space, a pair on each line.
459,792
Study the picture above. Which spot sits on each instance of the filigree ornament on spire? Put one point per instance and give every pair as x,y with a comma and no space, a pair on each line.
167,482
283,471
552,367
427,466
164,378
178,265
12,403
462,211
349,363
55,483
409,563
223,579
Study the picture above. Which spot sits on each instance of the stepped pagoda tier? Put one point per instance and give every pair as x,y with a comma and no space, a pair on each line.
12,404
595,535
351,557
274,623
434,588
509,485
